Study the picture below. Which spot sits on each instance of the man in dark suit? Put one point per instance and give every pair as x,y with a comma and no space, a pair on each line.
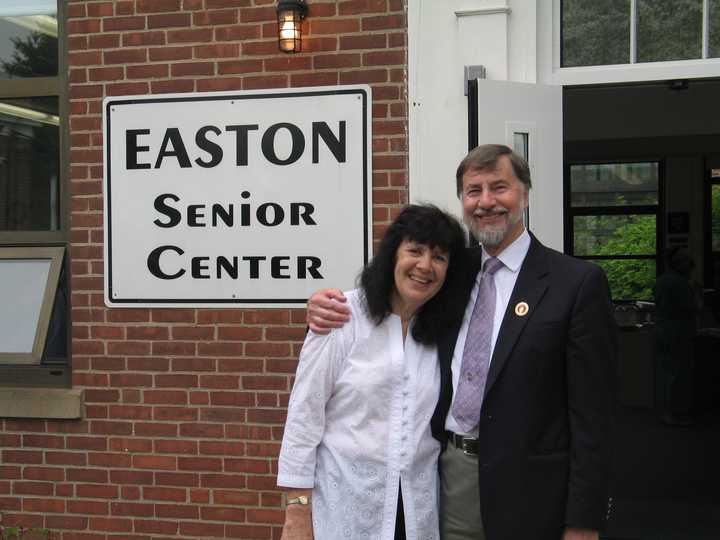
528,376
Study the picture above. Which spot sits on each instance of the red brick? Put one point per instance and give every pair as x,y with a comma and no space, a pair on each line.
383,22
179,511
200,529
100,9
190,36
173,315
228,481
123,23
166,463
169,20
92,491
215,4
48,474
132,509
148,332
156,6
192,69
103,41
369,41
258,14
201,430
21,456
356,7
156,526
223,448
239,333
104,459
242,498
122,89
237,32
334,26
179,381
234,399
87,443
131,477
175,414
170,53
314,79
177,479
267,349
66,522
130,412
215,513
156,430
83,26
44,505
135,39
225,415
125,56
111,524
65,458
165,494
88,507
217,17
32,488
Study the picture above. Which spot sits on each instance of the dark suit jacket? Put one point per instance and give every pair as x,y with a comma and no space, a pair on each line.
545,427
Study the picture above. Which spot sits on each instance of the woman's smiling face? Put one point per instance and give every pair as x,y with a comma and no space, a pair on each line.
419,274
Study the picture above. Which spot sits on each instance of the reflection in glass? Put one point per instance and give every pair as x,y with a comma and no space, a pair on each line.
29,164
714,29
715,217
29,40
631,279
669,30
614,184
595,33
629,234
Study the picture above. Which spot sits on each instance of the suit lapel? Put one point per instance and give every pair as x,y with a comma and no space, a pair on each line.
530,287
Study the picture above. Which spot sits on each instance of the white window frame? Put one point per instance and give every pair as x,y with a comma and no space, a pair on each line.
550,71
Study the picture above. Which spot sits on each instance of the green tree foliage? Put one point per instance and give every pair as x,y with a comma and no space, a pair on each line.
611,236
34,56
598,32
715,198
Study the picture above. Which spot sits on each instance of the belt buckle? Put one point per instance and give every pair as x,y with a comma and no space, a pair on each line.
469,446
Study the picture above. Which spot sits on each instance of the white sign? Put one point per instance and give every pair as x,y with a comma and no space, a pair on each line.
244,199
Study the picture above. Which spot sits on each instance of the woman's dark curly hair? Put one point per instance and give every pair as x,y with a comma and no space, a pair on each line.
424,224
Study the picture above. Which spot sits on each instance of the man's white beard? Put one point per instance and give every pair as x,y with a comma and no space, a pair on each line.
493,236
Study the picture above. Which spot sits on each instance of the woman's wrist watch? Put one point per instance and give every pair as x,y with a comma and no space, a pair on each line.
302,500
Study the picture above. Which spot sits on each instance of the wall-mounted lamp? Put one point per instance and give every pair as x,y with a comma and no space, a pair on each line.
290,14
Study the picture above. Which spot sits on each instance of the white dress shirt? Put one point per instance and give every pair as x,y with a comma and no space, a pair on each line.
512,258
359,424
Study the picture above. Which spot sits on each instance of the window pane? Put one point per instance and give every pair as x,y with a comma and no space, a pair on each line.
595,33
630,234
29,164
630,279
715,218
714,44
614,184
28,39
669,30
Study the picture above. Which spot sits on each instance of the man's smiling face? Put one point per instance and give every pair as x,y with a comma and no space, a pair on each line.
493,202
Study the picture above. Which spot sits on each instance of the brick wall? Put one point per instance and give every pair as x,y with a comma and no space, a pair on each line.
185,407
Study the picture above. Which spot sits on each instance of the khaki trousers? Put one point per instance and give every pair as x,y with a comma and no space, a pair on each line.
460,517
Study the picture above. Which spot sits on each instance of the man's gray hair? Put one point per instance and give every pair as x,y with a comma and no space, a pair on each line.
485,158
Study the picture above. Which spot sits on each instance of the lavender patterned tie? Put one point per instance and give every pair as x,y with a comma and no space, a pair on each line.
476,355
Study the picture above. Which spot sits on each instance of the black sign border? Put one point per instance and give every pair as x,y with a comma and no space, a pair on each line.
225,301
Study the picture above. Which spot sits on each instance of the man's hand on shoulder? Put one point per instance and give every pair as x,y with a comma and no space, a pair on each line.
572,533
327,309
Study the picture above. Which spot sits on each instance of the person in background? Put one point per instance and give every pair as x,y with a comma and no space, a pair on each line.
358,457
528,386
677,301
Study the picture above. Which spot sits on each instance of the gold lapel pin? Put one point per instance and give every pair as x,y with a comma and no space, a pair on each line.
521,309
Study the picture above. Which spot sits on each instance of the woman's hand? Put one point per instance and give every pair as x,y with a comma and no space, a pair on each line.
298,523
326,310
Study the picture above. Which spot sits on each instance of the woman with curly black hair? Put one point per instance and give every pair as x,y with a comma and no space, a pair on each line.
358,457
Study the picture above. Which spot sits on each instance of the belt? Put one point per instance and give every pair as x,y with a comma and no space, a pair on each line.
469,445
